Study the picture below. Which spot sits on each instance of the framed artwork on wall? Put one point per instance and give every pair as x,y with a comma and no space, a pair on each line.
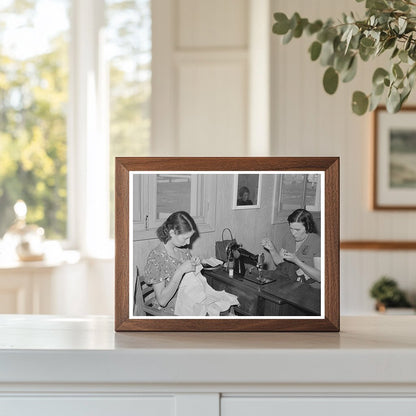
394,179
247,191
169,208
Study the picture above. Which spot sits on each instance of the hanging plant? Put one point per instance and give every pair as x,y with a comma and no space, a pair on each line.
389,27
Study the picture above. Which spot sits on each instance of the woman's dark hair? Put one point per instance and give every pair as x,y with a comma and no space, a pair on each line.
305,217
180,222
242,191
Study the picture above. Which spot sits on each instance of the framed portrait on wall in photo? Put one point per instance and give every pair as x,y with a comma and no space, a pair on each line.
193,255
247,191
394,178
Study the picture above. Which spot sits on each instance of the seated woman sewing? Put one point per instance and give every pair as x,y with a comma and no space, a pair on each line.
167,265
171,259
301,246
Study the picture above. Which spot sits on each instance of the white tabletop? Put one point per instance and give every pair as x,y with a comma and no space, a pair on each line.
373,349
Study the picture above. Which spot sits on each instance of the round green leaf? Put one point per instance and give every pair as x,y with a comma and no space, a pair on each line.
342,61
397,71
330,80
281,27
374,102
351,71
288,37
315,50
378,90
395,52
389,43
366,53
379,75
314,27
393,101
367,42
327,54
403,56
359,103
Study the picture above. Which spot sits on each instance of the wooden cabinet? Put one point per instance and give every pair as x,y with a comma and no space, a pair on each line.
54,365
321,406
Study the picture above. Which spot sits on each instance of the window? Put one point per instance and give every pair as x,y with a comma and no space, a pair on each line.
174,193
34,79
129,57
156,196
75,88
293,191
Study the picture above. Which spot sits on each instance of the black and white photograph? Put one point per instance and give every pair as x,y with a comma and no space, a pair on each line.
194,255
247,189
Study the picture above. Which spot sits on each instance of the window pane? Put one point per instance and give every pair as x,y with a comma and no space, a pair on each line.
311,184
129,54
292,191
33,100
173,194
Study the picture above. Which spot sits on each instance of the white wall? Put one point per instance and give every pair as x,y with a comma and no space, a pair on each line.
201,78
308,122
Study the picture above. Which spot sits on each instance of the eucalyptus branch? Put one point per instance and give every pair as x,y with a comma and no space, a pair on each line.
388,26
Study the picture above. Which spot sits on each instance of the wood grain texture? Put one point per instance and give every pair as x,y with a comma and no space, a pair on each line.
330,165
121,244
332,288
378,245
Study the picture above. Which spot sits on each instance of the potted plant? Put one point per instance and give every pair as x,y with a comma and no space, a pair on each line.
387,294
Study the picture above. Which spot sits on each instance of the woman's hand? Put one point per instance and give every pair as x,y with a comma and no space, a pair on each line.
268,245
289,256
187,266
195,261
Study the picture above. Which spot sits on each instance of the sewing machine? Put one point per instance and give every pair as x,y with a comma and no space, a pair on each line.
239,257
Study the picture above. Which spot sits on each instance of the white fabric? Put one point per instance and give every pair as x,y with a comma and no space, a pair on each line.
197,298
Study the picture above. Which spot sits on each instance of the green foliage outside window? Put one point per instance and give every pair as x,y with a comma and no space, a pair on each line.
33,97
34,103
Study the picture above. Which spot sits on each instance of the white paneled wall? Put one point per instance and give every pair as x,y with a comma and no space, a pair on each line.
306,121
201,110
212,104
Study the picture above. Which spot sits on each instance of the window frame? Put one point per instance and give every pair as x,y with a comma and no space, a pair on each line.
279,215
204,194
88,132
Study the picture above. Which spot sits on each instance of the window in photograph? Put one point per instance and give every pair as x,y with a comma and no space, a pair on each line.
158,196
299,191
33,106
173,193
293,191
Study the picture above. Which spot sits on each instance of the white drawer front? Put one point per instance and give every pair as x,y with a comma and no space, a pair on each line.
273,406
87,406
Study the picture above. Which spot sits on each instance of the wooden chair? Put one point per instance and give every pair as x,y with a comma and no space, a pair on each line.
145,299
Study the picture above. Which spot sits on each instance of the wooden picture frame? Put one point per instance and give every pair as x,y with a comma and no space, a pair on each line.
127,274
394,159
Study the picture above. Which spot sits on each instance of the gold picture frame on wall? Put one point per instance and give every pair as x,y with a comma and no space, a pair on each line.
259,299
394,152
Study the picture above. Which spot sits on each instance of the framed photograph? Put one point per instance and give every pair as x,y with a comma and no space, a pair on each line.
188,259
394,180
247,191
